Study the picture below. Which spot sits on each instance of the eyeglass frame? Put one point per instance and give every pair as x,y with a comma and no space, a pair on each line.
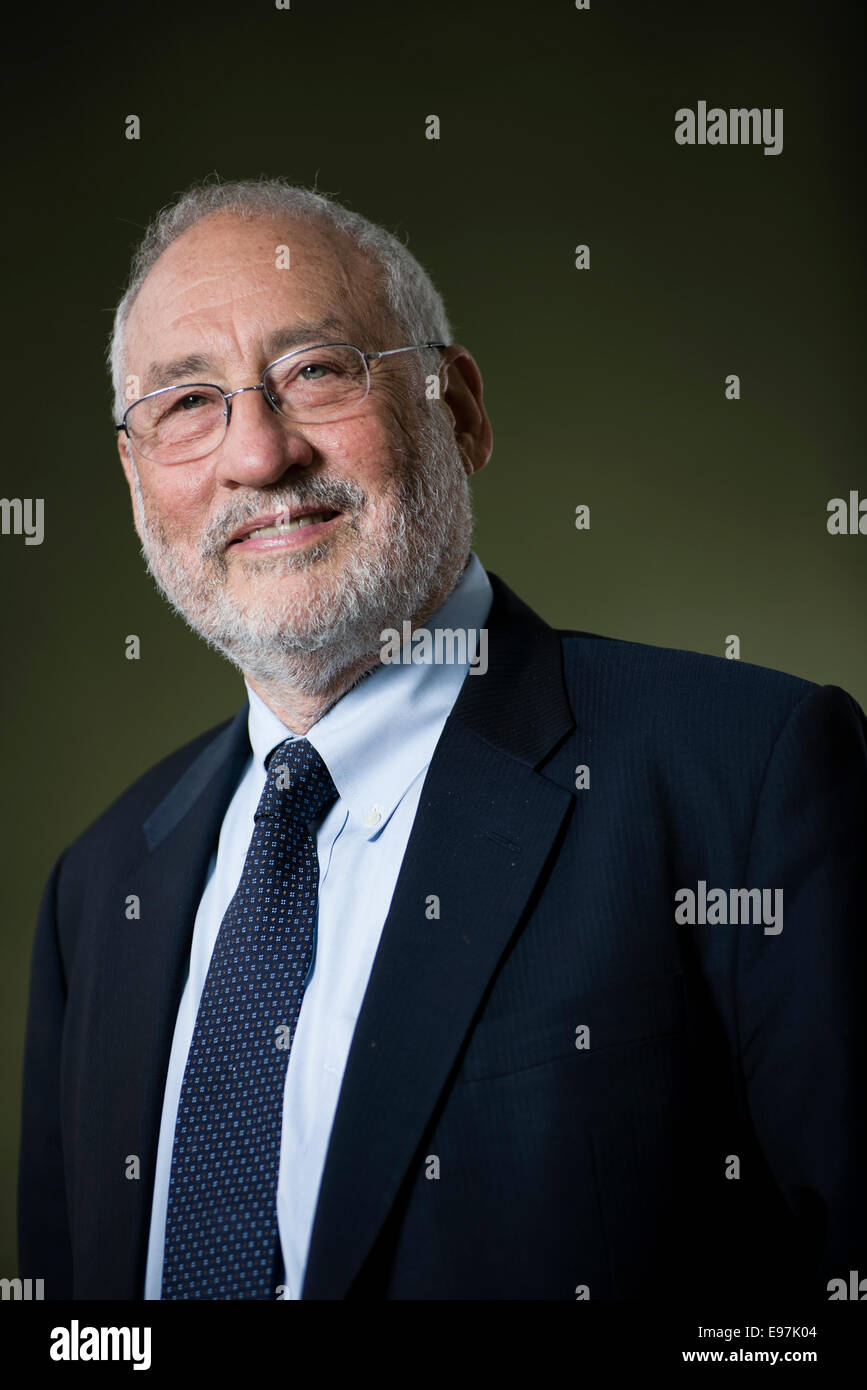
367,358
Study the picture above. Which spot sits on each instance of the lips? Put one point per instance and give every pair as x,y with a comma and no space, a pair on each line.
282,523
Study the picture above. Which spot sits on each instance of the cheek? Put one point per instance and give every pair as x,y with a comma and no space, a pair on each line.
179,498
368,450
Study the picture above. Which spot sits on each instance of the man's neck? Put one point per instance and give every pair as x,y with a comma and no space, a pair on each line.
299,711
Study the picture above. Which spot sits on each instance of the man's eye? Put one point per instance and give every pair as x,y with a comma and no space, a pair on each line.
189,402
307,371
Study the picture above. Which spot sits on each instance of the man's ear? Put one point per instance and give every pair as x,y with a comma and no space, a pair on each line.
462,393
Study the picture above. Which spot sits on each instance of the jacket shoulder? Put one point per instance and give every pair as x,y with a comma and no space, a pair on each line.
688,703
605,674
133,806
700,722
650,673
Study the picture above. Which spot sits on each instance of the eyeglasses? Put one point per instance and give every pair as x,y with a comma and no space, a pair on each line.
311,386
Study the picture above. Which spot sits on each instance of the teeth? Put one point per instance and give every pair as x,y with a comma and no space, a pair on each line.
282,525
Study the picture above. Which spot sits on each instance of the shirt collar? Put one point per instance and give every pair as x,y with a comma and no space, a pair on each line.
380,736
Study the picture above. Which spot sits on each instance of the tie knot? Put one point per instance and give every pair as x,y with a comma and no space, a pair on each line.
299,784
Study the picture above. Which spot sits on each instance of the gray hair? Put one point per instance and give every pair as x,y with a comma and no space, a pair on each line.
406,288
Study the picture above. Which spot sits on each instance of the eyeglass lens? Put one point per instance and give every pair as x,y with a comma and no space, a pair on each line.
308,387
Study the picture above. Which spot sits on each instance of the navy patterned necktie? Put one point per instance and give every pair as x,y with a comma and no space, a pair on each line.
221,1222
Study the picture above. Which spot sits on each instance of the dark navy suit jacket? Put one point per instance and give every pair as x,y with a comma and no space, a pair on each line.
606,1170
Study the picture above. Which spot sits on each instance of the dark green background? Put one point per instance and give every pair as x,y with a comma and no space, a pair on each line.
708,516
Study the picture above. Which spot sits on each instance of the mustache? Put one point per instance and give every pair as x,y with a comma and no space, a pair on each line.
330,494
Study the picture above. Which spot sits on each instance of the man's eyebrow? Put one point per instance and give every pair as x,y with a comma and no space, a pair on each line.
196,366
285,339
180,369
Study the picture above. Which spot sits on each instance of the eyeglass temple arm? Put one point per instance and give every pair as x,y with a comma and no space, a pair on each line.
389,352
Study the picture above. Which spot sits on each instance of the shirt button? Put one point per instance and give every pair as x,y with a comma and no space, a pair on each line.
373,817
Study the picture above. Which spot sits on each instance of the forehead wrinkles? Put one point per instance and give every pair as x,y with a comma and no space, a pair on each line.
222,263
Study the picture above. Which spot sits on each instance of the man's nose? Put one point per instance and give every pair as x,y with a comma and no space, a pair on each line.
259,444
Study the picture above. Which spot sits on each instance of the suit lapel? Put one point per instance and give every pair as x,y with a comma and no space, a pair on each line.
143,970
485,826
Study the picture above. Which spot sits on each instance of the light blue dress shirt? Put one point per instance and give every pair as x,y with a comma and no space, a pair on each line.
377,742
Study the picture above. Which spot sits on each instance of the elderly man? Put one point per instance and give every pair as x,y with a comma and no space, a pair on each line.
538,976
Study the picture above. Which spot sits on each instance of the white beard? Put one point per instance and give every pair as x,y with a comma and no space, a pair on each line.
412,545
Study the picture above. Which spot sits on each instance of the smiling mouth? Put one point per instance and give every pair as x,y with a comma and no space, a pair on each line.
283,527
